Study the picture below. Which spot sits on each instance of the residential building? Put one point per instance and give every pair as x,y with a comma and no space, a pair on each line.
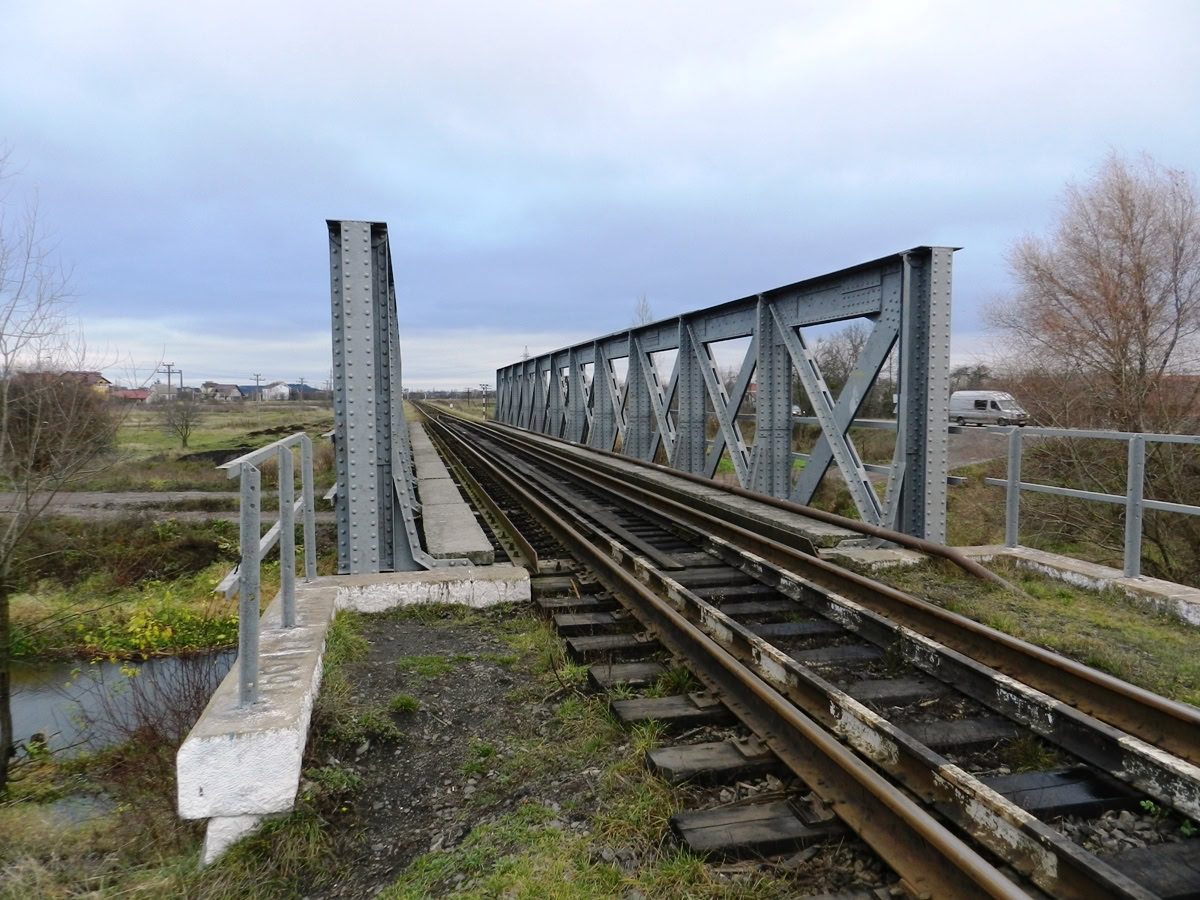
94,380
214,390
277,390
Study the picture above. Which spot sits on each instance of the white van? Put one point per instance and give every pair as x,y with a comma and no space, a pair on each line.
986,408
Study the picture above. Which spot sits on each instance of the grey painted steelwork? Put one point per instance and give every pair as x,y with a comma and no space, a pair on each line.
646,413
1133,500
246,579
249,578
376,499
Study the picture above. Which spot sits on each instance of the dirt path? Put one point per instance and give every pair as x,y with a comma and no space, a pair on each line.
157,504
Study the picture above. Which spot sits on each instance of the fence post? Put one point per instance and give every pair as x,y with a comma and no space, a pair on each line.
310,528
1012,505
248,589
1135,485
287,536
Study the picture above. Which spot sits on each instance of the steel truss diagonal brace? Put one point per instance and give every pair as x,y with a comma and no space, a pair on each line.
660,401
721,409
844,453
736,396
874,354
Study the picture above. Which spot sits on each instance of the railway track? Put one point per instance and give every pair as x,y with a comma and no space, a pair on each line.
887,708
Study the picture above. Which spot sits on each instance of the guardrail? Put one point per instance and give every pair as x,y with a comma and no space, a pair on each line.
1133,499
245,580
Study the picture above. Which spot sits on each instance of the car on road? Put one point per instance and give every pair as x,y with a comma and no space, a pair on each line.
986,408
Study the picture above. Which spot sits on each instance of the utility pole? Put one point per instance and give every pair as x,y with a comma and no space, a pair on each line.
169,367
257,390
180,372
300,393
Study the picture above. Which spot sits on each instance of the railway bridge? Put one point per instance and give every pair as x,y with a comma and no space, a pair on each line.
590,492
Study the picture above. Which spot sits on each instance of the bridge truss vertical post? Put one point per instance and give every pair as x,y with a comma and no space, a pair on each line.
925,391
352,285
690,435
375,498
639,414
771,454
576,398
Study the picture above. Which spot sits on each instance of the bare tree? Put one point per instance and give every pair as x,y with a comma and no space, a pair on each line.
181,417
54,428
642,313
970,378
1104,331
838,353
1111,298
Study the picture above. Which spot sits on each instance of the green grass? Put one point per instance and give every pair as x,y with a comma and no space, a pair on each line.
133,587
147,458
430,666
676,680
1101,629
404,704
337,717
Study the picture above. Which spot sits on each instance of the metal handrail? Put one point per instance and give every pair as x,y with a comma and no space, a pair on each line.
1135,501
245,579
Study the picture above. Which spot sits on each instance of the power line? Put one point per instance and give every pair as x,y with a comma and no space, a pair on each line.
168,366
257,390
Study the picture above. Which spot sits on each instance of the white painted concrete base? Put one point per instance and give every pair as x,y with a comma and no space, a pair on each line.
245,761
240,764
475,586
1176,600
223,832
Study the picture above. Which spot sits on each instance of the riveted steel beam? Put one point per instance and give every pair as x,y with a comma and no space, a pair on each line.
375,496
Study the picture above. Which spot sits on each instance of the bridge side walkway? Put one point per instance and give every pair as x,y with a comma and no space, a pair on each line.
451,529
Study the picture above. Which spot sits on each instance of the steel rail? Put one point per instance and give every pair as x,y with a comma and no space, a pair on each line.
931,860
1157,720
1171,781
1053,862
930,548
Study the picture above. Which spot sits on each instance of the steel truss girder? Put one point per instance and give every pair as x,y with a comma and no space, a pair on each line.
375,496
907,296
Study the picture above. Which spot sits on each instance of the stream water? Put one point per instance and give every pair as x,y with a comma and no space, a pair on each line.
77,704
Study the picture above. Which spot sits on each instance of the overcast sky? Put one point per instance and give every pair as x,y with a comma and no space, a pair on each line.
540,165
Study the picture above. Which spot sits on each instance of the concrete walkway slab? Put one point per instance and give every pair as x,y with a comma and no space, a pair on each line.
451,529
438,491
429,465
1177,600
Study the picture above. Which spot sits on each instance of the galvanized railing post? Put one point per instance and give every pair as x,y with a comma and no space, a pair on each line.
248,590
1134,486
287,537
1012,505
310,528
